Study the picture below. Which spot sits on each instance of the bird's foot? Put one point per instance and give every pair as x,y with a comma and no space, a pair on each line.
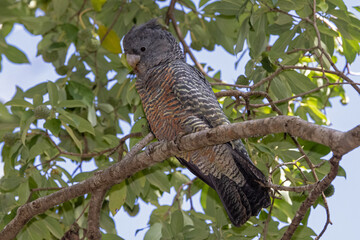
151,147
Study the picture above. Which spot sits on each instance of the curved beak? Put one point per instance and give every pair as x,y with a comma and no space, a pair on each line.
132,59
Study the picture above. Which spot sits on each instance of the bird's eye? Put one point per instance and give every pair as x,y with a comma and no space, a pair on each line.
143,49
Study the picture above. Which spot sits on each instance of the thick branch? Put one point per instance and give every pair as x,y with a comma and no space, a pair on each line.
97,198
338,141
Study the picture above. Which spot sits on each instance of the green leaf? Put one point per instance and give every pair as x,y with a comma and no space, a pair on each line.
140,126
26,119
351,49
19,103
70,31
177,222
282,42
13,54
298,82
71,104
9,183
228,107
257,39
154,232
38,148
177,179
82,176
303,232
80,91
267,64
283,19
341,172
323,6
73,137
315,112
60,6
285,208
203,2
158,179
106,222
81,124
243,32
91,117
54,125
34,231
53,93
37,89
279,88
108,108
23,192
339,3
7,202
117,197
110,236
54,226
288,5
38,25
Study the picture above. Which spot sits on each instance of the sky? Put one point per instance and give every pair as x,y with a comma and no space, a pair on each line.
343,204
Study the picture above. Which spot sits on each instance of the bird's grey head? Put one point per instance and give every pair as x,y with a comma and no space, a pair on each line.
148,45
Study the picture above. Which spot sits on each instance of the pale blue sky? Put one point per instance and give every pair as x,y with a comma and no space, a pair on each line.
343,205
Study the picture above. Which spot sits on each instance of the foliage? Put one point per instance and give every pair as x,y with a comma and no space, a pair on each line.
292,70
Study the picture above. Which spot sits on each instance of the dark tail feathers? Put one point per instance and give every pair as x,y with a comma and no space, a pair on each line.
242,202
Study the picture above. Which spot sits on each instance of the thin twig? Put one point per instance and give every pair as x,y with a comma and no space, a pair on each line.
313,195
285,164
266,224
41,189
229,85
328,220
116,18
220,94
85,155
177,196
79,11
297,189
187,50
170,11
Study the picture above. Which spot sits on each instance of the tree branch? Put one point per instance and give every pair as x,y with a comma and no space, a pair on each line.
339,142
314,194
116,18
97,198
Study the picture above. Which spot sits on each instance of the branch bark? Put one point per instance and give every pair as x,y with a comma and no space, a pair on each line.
340,143
97,198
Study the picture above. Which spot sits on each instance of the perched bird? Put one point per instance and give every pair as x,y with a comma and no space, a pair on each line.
178,100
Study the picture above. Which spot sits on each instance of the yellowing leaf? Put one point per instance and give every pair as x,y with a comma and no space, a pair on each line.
97,4
111,42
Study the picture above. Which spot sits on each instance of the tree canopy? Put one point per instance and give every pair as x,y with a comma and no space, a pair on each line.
299,58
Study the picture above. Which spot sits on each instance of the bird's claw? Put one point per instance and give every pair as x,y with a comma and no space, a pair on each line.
151,147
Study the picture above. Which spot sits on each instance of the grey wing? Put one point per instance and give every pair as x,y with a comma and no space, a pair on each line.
196,95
